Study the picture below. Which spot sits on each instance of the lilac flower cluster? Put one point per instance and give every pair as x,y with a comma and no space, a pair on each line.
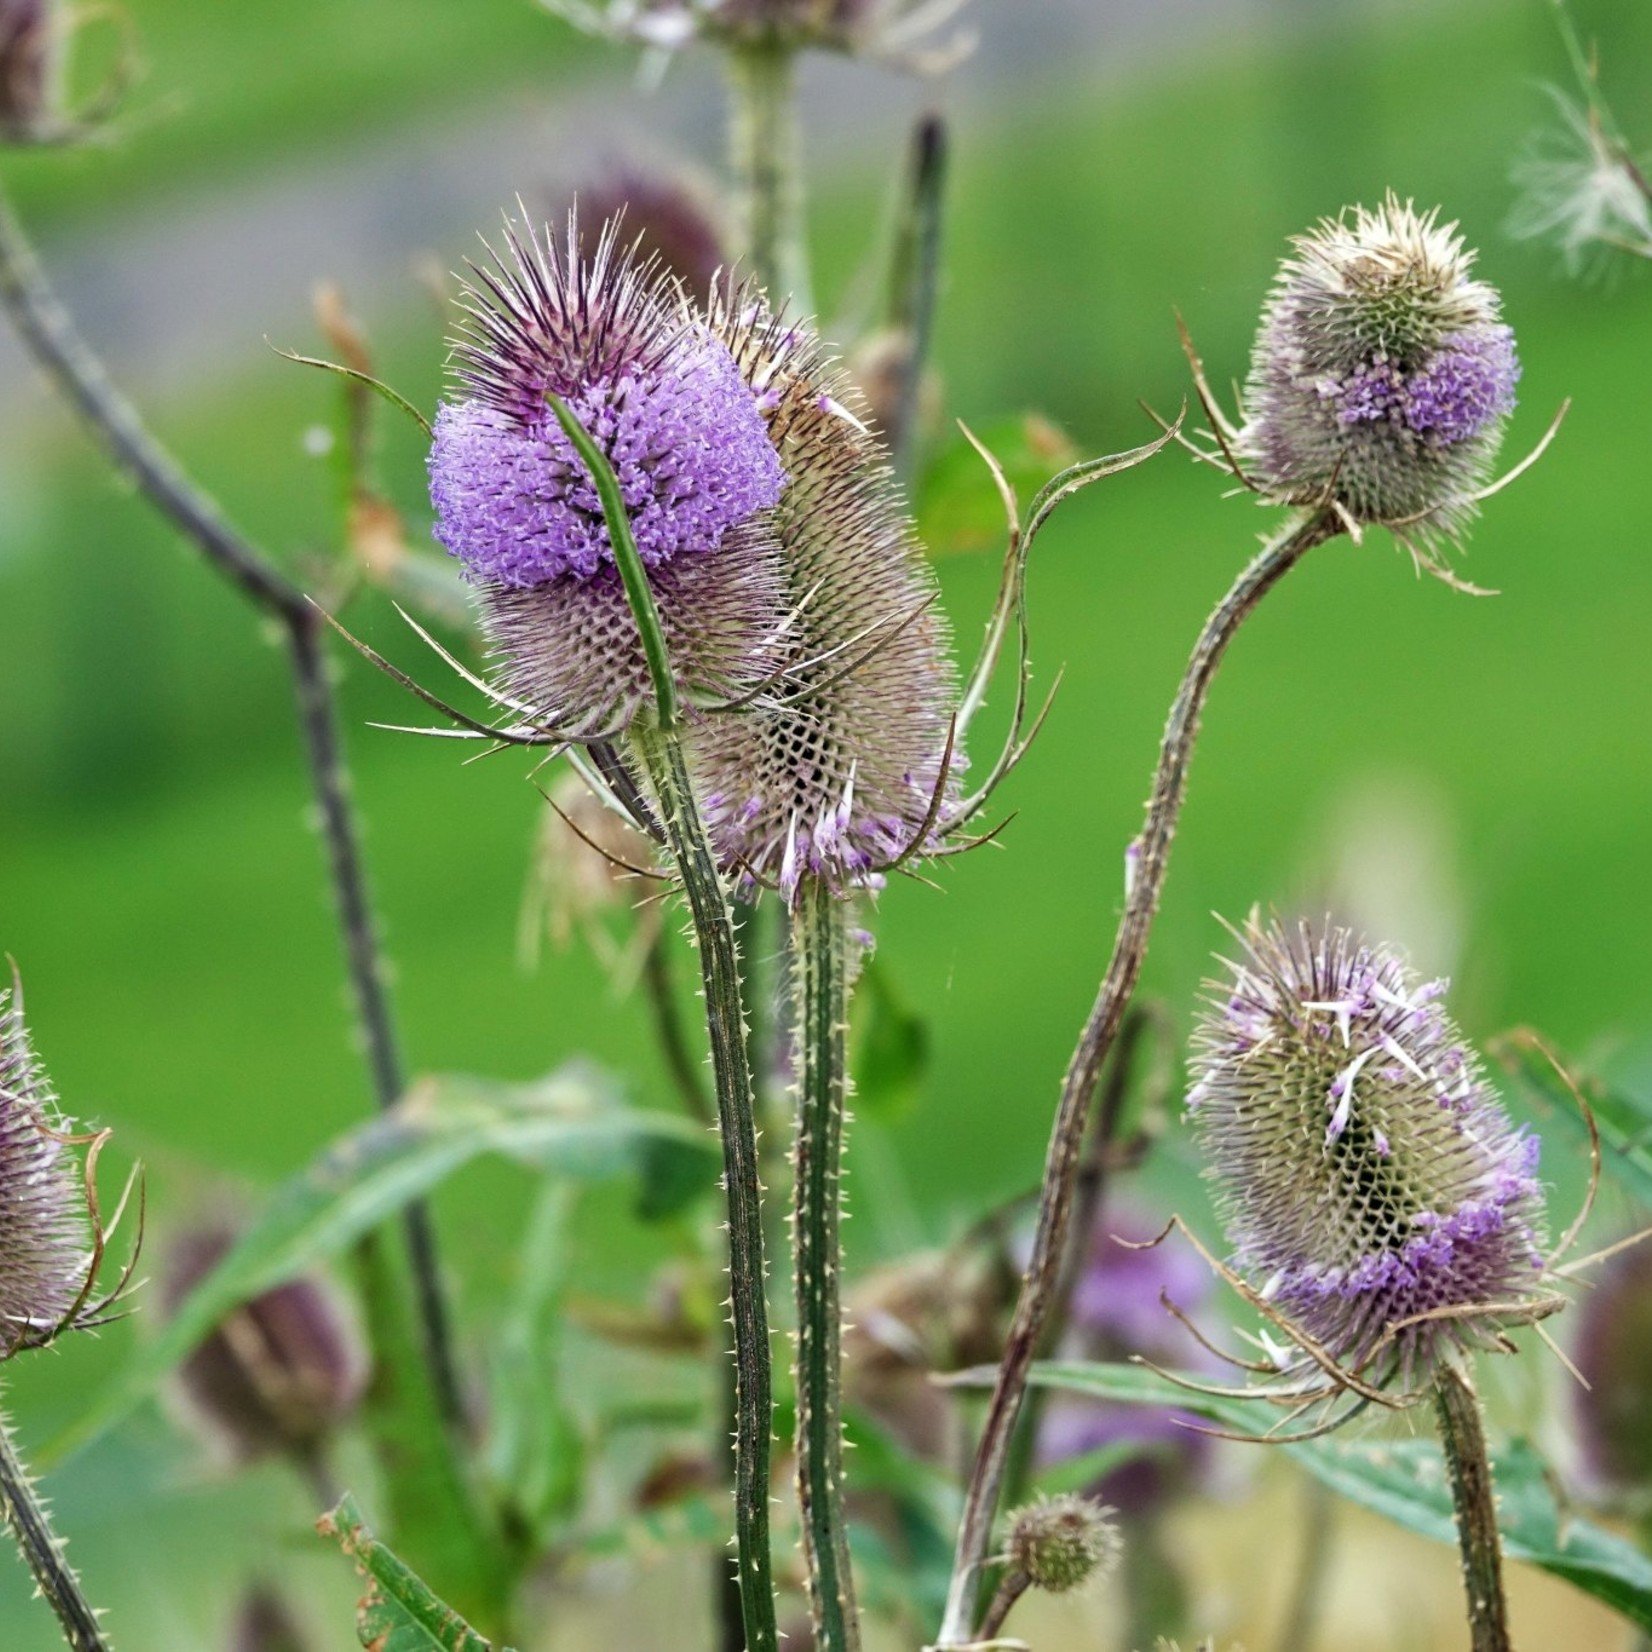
1383,374
44,1233
685,438
1366,1171
1452,396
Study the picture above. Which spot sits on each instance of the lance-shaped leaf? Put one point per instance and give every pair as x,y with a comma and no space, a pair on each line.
398,1611
573,1124
1405,1481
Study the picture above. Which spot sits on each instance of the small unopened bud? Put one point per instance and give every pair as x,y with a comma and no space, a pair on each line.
280,1373
1383,374
264,1624
1059,1543
1613,1407
28,53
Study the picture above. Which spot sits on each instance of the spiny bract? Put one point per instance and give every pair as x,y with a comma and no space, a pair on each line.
665,401
838,772
45,1235
1382,375
1365,1169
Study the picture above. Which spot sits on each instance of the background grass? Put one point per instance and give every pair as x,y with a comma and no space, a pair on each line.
159,886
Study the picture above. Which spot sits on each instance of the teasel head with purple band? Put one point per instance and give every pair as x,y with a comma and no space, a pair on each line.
1375,1193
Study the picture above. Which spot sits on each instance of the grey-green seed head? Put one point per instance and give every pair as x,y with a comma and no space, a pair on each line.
1062,1542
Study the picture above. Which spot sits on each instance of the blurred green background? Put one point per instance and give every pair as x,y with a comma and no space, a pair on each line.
158,883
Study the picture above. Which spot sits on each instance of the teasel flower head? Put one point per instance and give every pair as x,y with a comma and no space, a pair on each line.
52,1237
664,399
28,69
279,1374
848,767
1612,1407
1383,375
919,35
1376,1195
1060,1543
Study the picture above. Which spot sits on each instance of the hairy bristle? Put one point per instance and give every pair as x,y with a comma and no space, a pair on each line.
1364,1168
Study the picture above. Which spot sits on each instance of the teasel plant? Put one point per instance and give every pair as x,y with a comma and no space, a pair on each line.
1381,381
32,32
54,1243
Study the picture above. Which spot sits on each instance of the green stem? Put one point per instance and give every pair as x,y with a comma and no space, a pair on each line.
766,157
656,739
821,957
25,1514
661,752
1463,1437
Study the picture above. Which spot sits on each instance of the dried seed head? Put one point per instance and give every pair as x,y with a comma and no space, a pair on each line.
666,402
666,217
836,773
1365,1169
28,68
45,1228
1383,374
280,1373
1614,1353
1062,1542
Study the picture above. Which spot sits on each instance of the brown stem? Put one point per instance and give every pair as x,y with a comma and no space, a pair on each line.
1463,1438
1011,1587
1146,863
49,331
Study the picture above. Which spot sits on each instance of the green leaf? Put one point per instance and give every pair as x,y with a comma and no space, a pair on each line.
398,1611
1624,1122
891,1046
573,1124
1406,1482
958,506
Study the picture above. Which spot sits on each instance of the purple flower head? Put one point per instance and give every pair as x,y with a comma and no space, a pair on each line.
1613,1406
1365,1170
45,1232
27,67
1382,371
280,1373
835,775
688,444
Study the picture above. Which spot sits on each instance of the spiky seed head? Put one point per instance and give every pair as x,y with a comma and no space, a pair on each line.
1364,1168
280,1373
45,1229
1613,1405
1383,374
1062,1542
834,774
665,401
665,216
28,65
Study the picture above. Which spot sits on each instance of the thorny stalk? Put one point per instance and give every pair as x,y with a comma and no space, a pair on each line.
822,963
1146,862
1468,1464
657,741
915,280
765,151
73,367
26,1515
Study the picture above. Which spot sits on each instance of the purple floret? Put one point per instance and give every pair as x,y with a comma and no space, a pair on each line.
1463,387
685,437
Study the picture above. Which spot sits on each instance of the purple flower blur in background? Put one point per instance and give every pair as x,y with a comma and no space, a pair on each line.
1118,1313
683,431
45,1235
27,66
1613,1351
1364,1167
664,215
1382,375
